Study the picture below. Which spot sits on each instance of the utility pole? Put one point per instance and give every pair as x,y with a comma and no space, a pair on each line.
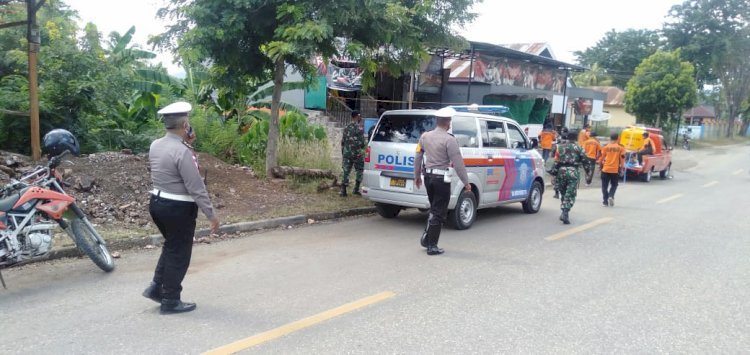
565,99
32,7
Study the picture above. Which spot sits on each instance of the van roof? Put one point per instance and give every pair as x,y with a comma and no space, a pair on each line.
458,113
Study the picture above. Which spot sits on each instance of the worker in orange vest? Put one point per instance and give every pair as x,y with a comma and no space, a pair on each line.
584,134
546,139
592,148
613,163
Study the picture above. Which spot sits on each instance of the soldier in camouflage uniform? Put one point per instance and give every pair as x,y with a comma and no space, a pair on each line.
352,150
562,138
570,156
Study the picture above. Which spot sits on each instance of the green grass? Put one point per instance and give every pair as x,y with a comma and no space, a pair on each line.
309,154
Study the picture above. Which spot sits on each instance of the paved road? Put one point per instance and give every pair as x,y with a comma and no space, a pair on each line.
666,270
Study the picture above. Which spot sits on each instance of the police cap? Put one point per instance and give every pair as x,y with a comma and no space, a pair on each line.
177,108
446,112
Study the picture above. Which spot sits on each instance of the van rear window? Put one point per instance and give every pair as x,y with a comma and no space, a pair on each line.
403,128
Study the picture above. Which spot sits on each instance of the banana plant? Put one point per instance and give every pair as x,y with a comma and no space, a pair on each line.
121,53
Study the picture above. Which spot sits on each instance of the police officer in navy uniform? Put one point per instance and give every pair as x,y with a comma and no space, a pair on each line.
437,149
179,191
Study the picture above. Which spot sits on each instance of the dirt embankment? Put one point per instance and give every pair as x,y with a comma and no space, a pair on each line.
113,188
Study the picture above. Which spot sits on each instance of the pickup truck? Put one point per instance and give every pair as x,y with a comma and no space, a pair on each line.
660,161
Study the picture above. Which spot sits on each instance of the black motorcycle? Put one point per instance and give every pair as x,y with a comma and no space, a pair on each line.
685,142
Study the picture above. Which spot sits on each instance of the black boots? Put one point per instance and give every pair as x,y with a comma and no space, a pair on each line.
557,194
152,292
176,306
343,191
564,217
354,192
431,237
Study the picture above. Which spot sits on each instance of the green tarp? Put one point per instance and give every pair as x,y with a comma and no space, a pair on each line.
530,111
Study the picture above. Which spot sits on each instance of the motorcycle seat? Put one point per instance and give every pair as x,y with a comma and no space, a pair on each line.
6,204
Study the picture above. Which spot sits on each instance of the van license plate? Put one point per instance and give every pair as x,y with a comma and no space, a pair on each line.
398,183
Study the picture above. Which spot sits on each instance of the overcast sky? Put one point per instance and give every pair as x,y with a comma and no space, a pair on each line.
566,25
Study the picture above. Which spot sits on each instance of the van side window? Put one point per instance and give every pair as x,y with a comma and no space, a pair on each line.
493,134
465,131
517,139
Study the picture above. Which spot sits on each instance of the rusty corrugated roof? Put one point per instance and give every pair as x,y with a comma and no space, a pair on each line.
615,95
535,48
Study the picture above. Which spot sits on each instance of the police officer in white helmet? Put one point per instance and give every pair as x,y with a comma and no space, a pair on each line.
438,149
179,191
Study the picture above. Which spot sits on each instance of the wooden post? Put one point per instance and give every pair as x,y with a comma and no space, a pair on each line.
33,39
36,150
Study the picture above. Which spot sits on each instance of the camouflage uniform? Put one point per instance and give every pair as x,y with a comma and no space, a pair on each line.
571,157
352,150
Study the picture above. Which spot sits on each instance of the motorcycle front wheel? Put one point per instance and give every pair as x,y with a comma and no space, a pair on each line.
85,238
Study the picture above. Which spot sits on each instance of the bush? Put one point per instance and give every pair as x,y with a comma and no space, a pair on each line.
311,154
216,137
244,140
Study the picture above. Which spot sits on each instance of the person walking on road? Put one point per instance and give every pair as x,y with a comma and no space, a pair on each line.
592,148
562,138
437,149
584,134
546,140
613,162
179,191
352,150
570,157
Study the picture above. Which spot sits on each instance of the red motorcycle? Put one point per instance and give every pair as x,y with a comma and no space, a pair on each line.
32,208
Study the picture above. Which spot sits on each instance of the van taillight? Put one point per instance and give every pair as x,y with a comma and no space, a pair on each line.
367,155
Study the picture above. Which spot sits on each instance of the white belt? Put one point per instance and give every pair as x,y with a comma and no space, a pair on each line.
436,171
175,197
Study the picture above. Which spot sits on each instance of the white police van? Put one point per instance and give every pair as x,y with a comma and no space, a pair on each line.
501,165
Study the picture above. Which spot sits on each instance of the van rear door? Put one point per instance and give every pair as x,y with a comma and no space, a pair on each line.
392,150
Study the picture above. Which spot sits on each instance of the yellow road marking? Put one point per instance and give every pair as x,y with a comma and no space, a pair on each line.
287,329
670,198
712,183
579,229
738,171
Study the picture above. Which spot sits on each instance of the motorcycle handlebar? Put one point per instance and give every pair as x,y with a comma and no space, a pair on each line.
57,160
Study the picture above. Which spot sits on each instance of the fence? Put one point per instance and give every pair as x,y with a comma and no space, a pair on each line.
338,112
718,129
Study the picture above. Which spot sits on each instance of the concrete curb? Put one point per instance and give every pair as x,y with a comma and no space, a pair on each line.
157,239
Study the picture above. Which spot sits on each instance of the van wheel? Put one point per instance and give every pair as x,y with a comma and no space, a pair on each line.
533,202
664,174
387,211
465,213
646,177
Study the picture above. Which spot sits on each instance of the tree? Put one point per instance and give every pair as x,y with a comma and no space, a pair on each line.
254,40
700,29
733,71
661,89
715,36
619,53
595,76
